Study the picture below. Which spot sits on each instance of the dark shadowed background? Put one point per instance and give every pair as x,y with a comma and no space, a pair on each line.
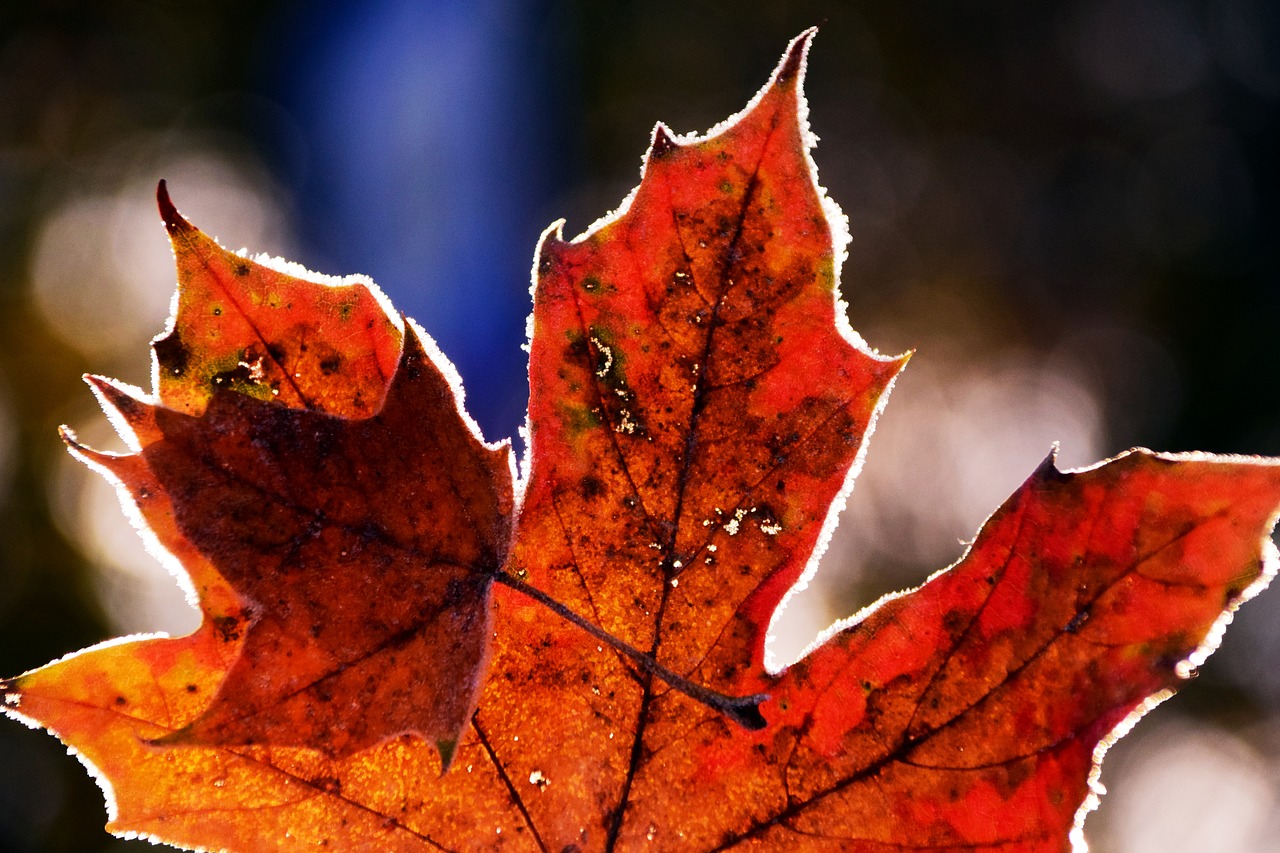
1069,210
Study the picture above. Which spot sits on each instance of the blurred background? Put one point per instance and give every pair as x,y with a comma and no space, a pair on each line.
1069,210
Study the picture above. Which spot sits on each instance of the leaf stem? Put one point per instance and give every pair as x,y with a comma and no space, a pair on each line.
744,710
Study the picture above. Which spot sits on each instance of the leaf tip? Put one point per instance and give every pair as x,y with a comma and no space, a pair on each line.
447,749
174,222
10,699
84,452
793,60
111,394
1048,467
546,255
898,362
663,142
69,437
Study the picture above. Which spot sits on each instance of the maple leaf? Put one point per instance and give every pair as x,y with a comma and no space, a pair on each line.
699,406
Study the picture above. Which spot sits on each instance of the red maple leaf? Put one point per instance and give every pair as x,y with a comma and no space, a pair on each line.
698,409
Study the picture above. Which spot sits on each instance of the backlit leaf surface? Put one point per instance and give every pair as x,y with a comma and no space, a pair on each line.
699,407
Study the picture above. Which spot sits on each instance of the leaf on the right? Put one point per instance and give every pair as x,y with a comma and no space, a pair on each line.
972,712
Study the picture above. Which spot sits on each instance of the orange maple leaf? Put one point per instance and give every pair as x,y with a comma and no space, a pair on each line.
699,406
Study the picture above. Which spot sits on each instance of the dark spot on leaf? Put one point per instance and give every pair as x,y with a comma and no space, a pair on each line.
238,375
592,487
172,353
576,351
955,622
228,628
